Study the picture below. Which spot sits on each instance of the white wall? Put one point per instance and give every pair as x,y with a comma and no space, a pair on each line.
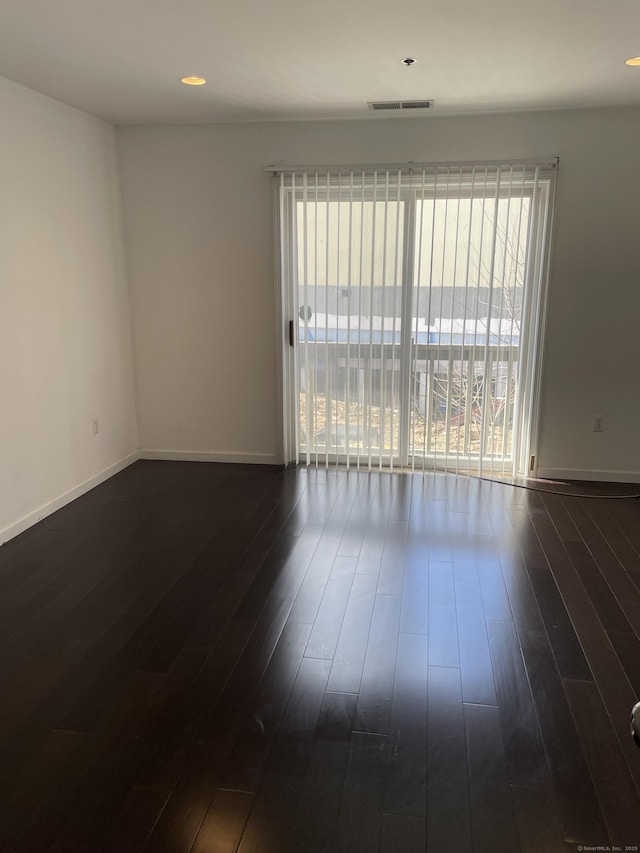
65,336
198,213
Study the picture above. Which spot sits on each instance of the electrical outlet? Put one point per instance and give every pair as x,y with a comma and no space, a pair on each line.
598,423
95,426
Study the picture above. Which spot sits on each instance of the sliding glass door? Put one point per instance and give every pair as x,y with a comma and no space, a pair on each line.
415,298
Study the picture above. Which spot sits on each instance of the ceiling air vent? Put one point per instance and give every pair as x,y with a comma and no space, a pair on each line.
417,105
385,105
400,105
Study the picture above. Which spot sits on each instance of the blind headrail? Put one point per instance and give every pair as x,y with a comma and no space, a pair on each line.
408,167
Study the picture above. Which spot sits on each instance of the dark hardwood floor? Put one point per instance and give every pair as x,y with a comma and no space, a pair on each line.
217,658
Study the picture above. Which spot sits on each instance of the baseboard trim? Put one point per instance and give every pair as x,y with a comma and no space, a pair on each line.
27,521
210,456
594,474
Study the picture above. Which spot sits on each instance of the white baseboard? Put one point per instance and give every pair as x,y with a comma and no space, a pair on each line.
27,521
210,456
595,474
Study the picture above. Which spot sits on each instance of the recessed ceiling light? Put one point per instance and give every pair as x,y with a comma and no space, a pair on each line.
408,61
635,60
193,81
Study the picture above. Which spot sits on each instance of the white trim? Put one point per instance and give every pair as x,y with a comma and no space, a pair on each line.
27,521
211,456
277,169
282,421
596,474
285,313
537,352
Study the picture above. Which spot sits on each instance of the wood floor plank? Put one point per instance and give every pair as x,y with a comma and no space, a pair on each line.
122,746
406,782
609,675
532,552
627,517
370,557
459,526
331,510
562,521
538,820
183,814
443,625
312,589
473,643
27,685
20,579
603,662
134,824
270,824
448,804
177,746
359,826
296,565
402,488
403,834
486,520
498,503
266,578
259,720
524,605
494,594
438,529
493,822
327,626
89,709
224,823
351,650
610,612
620,582
21,612
576,797
188,612
614,534
565,644
373,712
354,533
337,716
522,741
32,637
318,805
394,556
31,805
243,683
614,786
627,648
630,752
414,618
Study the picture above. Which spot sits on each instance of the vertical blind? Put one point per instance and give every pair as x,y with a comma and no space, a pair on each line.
415,291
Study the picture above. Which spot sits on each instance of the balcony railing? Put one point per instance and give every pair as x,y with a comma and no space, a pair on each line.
461,400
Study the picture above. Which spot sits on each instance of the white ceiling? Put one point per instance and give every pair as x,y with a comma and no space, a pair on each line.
122,59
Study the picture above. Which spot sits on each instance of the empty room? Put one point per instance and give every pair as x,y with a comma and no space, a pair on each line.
319,445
